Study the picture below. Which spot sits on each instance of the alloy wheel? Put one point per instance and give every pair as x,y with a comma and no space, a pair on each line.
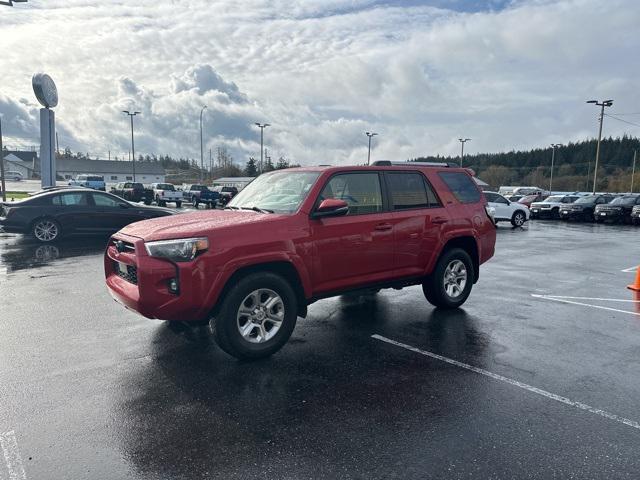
45,230
455,278
260,315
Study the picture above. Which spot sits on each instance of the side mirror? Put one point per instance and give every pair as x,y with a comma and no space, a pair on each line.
331,207
124,205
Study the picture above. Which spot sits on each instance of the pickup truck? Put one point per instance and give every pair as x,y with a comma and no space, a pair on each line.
164,193
133,192
90,181
197,194
226,194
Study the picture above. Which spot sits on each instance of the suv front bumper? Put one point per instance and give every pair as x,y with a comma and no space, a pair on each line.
141,283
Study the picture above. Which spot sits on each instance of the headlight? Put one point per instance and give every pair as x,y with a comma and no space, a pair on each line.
181,250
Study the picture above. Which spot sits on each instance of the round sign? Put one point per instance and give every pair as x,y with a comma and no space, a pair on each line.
45,90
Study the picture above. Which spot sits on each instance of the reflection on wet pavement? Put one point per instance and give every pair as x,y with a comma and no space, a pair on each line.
19,252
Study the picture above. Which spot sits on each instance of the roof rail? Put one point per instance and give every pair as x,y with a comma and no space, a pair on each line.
390,163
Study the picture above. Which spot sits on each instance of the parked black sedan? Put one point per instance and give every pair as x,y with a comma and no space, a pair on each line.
52,214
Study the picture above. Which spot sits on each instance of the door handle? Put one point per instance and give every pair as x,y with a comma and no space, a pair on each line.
384,226
439,220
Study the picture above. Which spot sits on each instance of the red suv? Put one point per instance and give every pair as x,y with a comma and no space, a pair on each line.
294,236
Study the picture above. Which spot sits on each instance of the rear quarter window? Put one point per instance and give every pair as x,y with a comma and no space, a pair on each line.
462,186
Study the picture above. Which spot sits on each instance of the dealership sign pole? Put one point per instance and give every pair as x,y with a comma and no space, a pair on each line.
4,192
47,94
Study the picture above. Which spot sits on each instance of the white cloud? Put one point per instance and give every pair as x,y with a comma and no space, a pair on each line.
321,73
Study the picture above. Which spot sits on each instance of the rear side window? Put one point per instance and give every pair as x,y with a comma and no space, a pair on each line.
462,186
409,190
360,190
67,199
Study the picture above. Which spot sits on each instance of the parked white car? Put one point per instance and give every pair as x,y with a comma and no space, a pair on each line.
13,176
550,207
164,193
506,211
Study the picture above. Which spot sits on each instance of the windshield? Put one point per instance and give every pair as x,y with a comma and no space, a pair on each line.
588,199
624,201
556,199
280,192
165,186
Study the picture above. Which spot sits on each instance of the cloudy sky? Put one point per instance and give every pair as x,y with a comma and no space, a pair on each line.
508,74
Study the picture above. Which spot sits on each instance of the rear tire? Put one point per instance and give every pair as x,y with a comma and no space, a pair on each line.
251,310
46,230
518,218
449,285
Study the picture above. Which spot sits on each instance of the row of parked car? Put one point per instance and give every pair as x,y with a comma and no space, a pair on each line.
599,207
166,193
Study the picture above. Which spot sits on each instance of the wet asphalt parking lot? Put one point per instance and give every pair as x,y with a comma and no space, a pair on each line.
523,382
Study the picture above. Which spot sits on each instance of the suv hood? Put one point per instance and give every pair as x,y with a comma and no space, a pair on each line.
194,224
541,204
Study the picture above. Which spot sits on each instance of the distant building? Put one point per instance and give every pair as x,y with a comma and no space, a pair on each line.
238,182
28,164
112,170
25,163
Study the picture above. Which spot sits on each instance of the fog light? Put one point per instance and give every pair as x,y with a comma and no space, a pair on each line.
174,287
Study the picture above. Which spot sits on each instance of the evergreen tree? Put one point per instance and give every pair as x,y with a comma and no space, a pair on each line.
268,165
250,169
282,163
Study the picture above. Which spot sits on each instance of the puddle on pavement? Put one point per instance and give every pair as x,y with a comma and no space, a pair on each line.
22,253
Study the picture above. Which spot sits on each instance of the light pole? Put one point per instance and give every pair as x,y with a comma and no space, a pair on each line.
370,135
605,103
133,149
633,170
262,126
201,148
462,142
553,157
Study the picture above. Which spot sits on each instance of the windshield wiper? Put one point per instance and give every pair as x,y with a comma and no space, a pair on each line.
257,209
231,208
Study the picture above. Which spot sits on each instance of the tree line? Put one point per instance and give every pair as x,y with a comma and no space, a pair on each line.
573,166
185,169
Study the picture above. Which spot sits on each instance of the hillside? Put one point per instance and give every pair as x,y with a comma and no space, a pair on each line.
574,164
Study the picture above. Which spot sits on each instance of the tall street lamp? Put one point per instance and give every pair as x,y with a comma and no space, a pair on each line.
133,150
262,126
462,142
370,135
201,148
553,157
604,103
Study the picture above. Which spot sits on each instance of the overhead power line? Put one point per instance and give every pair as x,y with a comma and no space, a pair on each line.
622,120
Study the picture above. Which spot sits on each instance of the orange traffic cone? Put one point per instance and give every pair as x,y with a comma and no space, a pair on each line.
635,286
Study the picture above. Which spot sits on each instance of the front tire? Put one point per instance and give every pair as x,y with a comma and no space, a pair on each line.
46,230
257,316
449,285
518,218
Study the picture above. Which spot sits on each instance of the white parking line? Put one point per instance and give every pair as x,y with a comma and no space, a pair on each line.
589,298
12,457
524,386
630,269
572,302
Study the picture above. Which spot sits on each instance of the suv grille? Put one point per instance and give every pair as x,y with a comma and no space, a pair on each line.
131,274
609,208
128,247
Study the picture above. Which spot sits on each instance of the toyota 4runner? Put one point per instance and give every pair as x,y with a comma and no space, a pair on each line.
294,236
